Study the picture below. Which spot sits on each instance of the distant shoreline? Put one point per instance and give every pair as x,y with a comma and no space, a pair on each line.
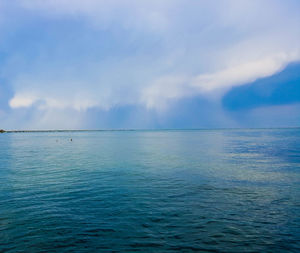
142,130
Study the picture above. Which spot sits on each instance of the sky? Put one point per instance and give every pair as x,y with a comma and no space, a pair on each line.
98,64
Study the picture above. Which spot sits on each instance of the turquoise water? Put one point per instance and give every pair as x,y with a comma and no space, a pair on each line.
150,191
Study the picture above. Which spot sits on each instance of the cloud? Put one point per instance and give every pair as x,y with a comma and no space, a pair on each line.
44,102
62,55
214,84
244,73
271,116
22,101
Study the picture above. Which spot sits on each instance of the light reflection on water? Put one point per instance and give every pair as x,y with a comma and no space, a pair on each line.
159,191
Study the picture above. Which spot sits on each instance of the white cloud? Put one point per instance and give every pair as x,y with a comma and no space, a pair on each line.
22,100
243,73
44,101
213,84
167,50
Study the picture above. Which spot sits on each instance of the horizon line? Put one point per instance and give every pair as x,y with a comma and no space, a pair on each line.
140,129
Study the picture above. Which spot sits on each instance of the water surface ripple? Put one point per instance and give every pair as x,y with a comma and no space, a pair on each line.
150,191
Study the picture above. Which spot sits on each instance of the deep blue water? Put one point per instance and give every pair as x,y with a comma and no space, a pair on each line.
150,191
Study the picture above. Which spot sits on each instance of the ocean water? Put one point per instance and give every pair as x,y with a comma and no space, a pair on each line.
150,191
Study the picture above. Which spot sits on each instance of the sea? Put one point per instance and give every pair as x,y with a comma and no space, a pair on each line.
224,190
